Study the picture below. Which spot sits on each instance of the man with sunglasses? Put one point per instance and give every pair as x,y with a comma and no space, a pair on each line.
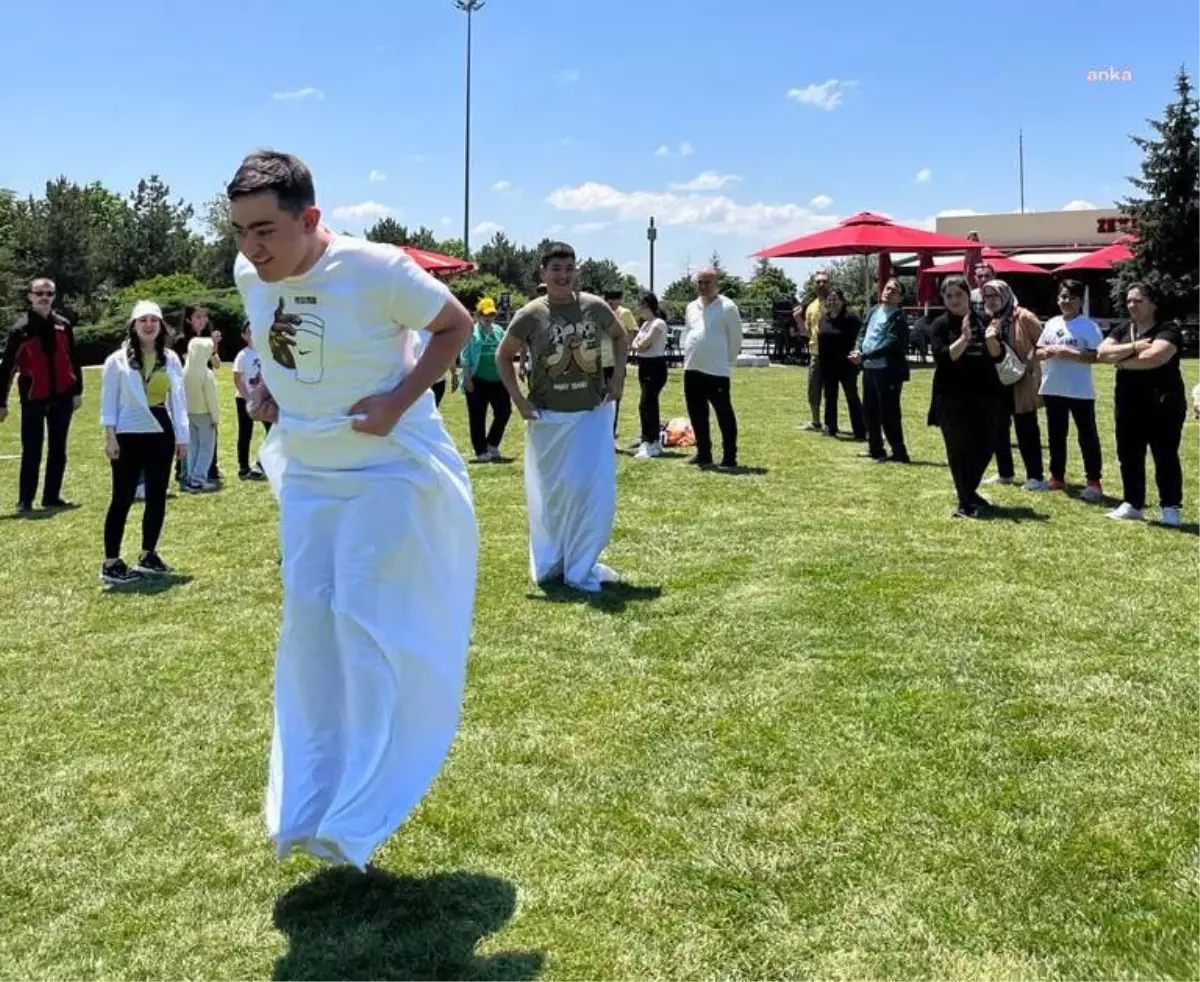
41,353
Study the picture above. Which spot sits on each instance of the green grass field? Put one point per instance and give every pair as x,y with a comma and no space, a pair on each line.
826,732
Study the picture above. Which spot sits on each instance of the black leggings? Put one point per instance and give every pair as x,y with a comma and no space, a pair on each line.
1029,440
837,371
1059,412
485,393
652,377
151,453
1155,423
245,433
969,430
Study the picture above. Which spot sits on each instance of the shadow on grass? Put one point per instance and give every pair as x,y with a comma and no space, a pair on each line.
613,598
1011,513
922,463
345,924
151,584
39,514
1187,528
664,455
738,471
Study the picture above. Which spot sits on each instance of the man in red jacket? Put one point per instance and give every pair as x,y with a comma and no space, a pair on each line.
41,353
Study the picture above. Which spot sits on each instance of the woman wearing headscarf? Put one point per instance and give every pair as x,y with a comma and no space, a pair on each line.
1150,403
1013,325
837,332
966,393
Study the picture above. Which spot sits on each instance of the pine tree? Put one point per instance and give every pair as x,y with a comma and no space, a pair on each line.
1167,251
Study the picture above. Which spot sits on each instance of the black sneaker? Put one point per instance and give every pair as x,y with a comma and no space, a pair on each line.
118,574
979,501
727,465
57,503
24,508
244,475
698,462
152,565
257,473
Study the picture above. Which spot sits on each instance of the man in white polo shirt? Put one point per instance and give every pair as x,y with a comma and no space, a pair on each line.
377,525
711,343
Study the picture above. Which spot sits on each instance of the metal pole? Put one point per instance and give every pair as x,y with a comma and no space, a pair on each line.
651,234
1021,164
469,6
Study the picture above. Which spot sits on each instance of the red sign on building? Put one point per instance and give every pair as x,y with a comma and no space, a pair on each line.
1111,226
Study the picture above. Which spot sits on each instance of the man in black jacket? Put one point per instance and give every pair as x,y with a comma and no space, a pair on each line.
41,353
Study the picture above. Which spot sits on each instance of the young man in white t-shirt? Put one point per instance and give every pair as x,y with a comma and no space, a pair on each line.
377,526
247,373
1067,348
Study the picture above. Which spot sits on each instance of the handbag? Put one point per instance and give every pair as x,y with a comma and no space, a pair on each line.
1010,368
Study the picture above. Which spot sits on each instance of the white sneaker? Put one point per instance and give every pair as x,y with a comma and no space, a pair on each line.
1171,517
493,453
654,449
606,574
643,452
1093,492
1125,512
997,479
483,458
1035,485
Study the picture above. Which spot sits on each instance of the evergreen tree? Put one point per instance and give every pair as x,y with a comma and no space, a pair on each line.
1167,251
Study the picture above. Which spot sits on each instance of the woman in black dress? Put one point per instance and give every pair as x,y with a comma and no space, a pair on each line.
966,394
838,333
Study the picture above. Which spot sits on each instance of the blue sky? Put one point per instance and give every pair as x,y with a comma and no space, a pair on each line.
737,125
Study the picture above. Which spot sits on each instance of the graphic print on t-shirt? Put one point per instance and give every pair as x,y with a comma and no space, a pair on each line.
297,342
574,352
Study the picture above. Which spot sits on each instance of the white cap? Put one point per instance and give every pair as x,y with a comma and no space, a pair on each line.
145,308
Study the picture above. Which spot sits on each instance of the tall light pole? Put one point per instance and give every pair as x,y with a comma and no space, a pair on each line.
470,6
651,235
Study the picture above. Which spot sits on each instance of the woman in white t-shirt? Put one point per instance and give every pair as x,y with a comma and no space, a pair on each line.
247,373
1067,348
650,344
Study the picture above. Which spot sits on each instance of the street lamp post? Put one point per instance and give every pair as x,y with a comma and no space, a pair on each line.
651,236
469,6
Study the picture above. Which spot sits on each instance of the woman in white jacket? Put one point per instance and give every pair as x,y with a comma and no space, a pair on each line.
204,413
144,415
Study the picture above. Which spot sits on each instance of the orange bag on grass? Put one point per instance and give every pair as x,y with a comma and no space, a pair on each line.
678,433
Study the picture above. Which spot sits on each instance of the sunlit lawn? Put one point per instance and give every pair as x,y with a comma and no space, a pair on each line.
826,732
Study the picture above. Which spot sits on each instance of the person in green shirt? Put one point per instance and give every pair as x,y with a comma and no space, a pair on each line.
482,385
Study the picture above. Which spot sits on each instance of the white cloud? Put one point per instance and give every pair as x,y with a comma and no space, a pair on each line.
826,95
662,151
569,75
485,230
924,175
685,149
710,180
308,92
956,212
585,228
505,187
363,211
1078,205
377,177
446,220
821,202
710,212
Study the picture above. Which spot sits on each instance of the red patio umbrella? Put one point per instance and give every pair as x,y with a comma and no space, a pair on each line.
864,234
999,261
436,263
1105,258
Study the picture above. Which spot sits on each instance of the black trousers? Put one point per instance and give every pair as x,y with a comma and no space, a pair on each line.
881,412
1159,426
700,391
840,371
1029,440
969,432
214,472
652,378
485,393
608,374
816,388
44,421
439,391
245,432
148,453
1059,412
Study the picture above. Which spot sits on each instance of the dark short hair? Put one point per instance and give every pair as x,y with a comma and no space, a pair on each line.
614,294
1148,290
282,173
957,281
896,280
1072,288
556,250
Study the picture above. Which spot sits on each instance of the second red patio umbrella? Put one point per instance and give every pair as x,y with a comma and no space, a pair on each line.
1105,258
436,263
999,261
